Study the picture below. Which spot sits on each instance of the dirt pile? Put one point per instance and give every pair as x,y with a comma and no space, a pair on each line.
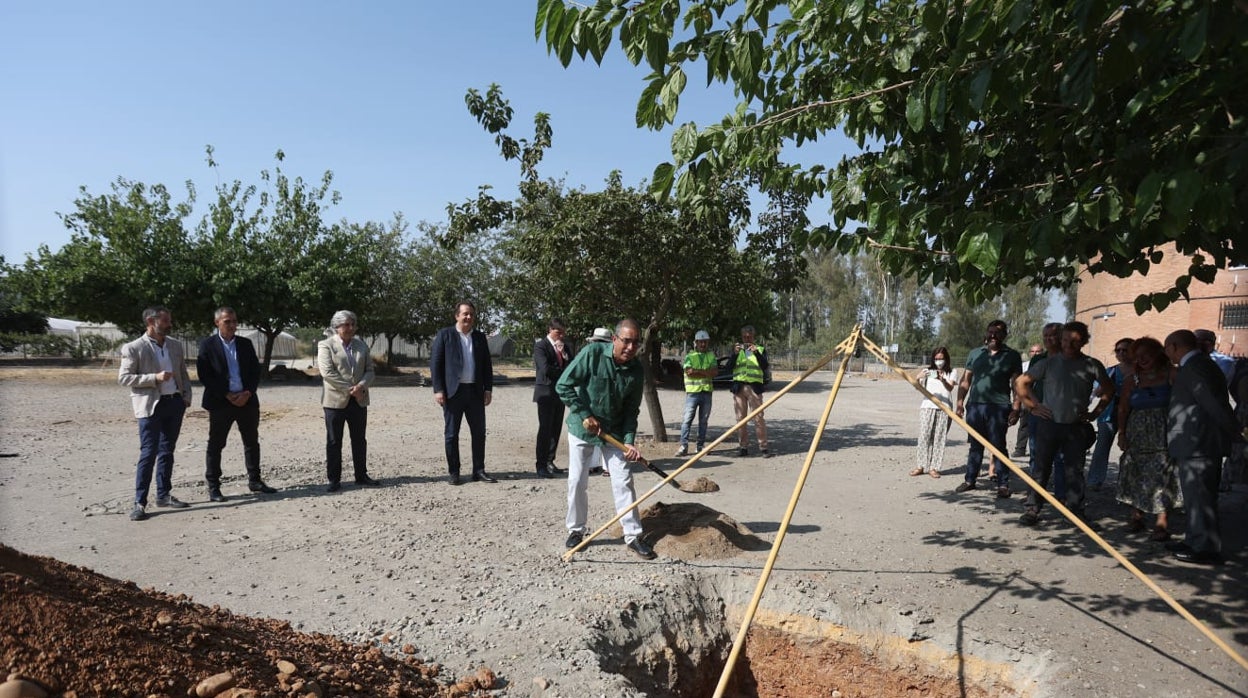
81,634
690,531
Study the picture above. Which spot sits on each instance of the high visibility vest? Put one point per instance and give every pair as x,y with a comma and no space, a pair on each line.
747,369
699,361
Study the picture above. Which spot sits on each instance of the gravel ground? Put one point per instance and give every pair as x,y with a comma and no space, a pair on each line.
921,578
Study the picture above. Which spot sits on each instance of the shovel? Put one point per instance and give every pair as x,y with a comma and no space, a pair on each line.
649,466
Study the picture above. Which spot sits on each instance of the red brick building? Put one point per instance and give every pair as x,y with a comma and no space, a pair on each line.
1107,304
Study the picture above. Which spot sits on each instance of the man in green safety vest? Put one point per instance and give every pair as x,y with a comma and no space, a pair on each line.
699,368
749,366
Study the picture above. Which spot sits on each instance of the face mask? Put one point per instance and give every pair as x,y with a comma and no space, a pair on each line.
940,363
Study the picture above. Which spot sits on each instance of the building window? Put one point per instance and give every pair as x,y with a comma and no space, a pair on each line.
1234,316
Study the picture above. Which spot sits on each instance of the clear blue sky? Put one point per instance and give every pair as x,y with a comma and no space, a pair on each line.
373,91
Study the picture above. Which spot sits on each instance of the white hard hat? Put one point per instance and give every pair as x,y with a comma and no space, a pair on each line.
701,335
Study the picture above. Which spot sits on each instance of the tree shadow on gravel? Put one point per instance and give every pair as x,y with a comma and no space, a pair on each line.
1017,586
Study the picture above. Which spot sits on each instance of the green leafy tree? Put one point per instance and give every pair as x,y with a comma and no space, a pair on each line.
128,249
614,253
268,253
999,141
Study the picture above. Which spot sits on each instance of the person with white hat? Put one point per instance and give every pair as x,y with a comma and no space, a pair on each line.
699,368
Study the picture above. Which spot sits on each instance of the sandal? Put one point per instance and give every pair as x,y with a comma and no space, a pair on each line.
916,471
934,473
1159,535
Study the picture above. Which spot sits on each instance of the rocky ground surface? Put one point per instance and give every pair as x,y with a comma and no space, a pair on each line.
885,585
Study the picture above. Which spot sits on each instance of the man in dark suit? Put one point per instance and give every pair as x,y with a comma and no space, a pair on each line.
1199,430
230,373
550,356
463,384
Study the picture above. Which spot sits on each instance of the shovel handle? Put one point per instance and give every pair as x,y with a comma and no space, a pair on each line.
640,459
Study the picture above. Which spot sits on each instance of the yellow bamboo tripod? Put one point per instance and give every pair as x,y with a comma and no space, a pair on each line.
846,349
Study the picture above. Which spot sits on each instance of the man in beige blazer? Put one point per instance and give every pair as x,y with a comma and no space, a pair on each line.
154,368
346,368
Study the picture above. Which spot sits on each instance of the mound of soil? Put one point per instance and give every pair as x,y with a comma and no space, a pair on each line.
690,531
82,634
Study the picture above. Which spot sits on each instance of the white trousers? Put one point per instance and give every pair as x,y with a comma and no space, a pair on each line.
581,458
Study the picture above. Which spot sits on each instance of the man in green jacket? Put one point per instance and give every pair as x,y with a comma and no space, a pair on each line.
602,391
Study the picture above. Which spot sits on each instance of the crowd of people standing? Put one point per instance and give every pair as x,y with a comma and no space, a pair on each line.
1166,403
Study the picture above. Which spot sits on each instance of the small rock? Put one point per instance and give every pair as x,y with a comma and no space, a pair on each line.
164,618
285,667
485,678
214,685
542,683
409,648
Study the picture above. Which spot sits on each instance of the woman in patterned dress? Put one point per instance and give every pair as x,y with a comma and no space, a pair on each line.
1147,479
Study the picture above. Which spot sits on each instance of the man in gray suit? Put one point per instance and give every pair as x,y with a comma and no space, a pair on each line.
1199,430
154,368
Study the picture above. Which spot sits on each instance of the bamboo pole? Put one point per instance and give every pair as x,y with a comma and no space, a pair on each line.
698,456
739,642
1096,538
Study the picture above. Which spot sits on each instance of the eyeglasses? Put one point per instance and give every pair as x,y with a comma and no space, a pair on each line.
627,342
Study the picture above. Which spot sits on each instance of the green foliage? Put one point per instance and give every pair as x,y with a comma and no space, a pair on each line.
999,141
594,257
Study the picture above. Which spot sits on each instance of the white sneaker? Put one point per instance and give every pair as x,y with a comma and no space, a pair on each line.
682,452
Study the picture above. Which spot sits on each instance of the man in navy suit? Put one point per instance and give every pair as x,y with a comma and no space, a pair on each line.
230,373
1200,427
550,356
463,384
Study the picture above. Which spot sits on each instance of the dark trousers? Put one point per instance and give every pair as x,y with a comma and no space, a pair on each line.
1059,464
991,421
356,419
468,401
549,427
1022,438
1199,478
220,419
158,437
1054,440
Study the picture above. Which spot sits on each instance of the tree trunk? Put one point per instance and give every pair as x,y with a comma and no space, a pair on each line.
270,337
650,395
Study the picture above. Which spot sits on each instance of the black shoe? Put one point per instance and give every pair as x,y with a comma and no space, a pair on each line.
138,513
333,487
1003,492
641,550
574,539
483,477
595,471
214,495
453,479
1198,557
766,453
367,481
1179,546
259,486
1030,517
964,486
171,502
554,468
743,452
545,474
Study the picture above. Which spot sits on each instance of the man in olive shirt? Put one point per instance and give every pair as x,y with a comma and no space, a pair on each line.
602,391
984,397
